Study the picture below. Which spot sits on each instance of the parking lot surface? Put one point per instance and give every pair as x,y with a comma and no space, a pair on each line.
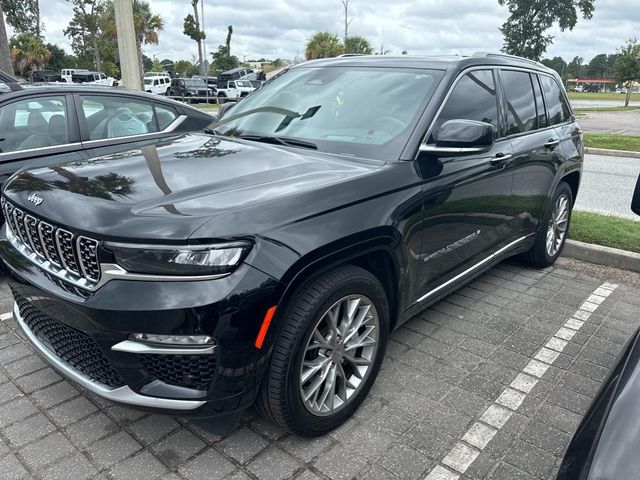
489,383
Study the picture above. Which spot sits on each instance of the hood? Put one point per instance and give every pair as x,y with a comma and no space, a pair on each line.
170,188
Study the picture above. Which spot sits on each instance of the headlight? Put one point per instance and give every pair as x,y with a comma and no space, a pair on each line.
180,260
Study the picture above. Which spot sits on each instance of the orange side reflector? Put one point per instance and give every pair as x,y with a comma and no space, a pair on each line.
265,326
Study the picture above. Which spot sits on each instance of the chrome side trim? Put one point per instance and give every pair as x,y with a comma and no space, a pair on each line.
121,394
434,149
472,269
131,346
109,271
159,246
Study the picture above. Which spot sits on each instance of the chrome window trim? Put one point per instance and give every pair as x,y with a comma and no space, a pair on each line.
121,394
131,346
472,269
66,146
108,271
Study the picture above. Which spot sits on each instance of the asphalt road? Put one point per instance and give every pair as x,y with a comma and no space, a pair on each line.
608,184
625,123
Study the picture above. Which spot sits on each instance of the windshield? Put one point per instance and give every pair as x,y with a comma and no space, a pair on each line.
195,82
243,83
365,112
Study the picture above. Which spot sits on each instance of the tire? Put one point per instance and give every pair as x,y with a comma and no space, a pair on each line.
281,394
541,255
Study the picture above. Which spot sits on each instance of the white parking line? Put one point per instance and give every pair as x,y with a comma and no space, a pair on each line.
465,451
5,316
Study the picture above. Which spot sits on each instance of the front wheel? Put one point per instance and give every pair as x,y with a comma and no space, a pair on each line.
553,231
328,353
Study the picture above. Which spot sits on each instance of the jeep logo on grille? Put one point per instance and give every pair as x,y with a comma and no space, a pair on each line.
35,199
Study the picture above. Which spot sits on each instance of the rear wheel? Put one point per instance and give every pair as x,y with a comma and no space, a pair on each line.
328,353
552,235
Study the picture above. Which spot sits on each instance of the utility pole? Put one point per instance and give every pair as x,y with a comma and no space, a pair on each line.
347,20
127,46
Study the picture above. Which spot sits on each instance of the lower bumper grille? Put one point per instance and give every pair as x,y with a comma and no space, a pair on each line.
72,346
189,371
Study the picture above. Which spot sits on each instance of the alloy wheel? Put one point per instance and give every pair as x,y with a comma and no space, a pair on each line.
339,355
558,223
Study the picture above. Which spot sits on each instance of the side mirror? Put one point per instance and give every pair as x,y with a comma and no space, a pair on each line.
224,109
459,137
635,203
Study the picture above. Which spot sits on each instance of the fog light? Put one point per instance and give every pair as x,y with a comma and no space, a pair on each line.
185,340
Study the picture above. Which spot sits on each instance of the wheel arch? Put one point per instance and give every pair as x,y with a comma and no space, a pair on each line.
573,179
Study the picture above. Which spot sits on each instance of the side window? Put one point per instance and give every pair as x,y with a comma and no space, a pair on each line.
542,116
36,123
557,108
473,98
116,116
166,115
521,105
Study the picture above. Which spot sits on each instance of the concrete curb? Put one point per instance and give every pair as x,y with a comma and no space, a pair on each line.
611,153
610,257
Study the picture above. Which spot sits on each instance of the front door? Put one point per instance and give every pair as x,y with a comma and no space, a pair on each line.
466,203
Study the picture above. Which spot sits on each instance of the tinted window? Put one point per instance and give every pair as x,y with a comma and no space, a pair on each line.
473,98
35,123
116,116
542,116
521,106
166,115
557,108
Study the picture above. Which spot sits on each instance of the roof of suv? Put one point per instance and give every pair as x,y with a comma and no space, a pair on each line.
447,62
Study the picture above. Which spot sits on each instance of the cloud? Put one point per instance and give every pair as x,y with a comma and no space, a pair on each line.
280,28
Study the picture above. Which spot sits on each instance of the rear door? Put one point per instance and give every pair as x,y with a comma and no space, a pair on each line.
536,145
466,200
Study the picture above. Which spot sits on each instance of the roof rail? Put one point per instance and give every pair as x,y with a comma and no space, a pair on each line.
6,78
505,55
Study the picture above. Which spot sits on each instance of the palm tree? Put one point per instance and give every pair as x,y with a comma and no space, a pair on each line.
323,45
29,53
147,25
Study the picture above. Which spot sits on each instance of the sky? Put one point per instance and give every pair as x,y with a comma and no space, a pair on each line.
280,28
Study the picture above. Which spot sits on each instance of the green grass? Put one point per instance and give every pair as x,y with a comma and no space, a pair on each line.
605,230
207,107
611,141
602,96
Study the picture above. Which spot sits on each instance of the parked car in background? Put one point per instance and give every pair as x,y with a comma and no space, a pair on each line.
268,260
235,74
95,78
160,85
233,90
606,444
60,123
45,76
67,73
189,88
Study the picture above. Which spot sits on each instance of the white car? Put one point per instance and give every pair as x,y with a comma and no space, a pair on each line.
234,89
67,73
157,84
94,78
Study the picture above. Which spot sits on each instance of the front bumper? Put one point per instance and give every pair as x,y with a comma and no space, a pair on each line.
87,337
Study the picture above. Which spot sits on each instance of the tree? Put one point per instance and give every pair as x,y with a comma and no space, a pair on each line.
228,41
5,54
29,53
601,66
84,30
185,68
357,44
529,19
147,25
323,45
222,60
556,63
192,30
59,59
626,68
23,15
576,68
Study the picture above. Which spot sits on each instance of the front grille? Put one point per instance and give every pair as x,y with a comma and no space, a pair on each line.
76,254
189,371
72,346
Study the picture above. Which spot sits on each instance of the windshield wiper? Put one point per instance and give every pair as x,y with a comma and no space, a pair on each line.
286,141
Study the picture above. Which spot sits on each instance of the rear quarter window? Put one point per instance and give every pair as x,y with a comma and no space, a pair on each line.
557,109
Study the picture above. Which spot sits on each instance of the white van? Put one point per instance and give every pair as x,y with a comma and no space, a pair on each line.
67,73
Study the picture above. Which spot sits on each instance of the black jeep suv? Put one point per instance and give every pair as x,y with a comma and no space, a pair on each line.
268,260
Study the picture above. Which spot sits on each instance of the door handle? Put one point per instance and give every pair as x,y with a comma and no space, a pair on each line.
501,159
552,143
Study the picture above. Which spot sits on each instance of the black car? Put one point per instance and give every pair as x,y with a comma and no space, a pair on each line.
191,87
268,260
606,444
66,123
